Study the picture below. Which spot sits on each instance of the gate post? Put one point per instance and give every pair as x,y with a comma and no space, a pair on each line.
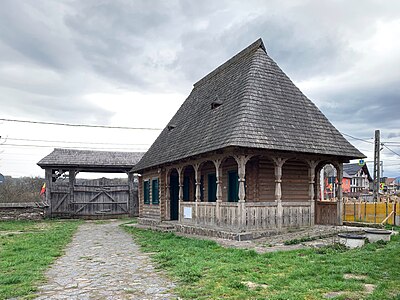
48,182
71,175
132,200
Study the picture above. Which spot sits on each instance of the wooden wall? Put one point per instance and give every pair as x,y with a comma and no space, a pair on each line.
295,181
151,211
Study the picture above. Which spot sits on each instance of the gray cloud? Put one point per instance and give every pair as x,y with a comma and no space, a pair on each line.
55,53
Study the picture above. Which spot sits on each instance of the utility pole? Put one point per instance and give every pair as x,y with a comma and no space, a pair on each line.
377,161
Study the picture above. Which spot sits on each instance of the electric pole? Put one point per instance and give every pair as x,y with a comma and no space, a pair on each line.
377,162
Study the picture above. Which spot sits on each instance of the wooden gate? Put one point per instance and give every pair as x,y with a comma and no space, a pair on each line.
326,213
92,199
100,200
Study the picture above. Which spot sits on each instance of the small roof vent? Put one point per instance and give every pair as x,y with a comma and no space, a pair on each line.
170,127
216,103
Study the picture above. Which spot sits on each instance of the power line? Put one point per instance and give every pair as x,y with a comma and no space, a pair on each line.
79,125
355,138
52,146
70,142
391,150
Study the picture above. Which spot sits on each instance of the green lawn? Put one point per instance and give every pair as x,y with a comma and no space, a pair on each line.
206,270
27,248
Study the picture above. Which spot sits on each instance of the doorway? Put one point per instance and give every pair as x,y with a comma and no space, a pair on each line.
174,195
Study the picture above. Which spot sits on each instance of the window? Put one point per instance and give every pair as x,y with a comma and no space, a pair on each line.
154,192
146,192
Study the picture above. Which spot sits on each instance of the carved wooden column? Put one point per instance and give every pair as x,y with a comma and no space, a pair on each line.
197,180
242,160
340,194
278,161
180,180
311,175
218,174
317,186
167,195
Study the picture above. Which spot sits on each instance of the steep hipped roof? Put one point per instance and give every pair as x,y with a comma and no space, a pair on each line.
247,102
106,161
352,169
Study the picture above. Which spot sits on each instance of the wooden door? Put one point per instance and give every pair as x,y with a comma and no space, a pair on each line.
233,186
212,187
174,197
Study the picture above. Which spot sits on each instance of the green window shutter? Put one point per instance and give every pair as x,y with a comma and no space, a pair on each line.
154,192
146,192
233,186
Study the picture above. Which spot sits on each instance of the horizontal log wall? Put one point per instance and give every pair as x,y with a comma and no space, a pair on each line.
295,181
150,211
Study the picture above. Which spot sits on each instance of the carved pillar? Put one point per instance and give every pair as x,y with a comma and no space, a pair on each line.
318,186
197,180
242,160
278,161
218,174
311,176
180,179
340,194
196,168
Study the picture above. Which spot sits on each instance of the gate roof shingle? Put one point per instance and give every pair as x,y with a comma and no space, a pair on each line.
90,159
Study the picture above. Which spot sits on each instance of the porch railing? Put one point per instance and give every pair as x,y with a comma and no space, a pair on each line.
244,216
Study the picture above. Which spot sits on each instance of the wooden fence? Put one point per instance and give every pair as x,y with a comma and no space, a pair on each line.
372,212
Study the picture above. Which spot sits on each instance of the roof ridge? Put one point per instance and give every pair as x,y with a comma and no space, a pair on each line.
254,46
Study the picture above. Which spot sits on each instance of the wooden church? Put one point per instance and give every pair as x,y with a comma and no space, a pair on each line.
242,155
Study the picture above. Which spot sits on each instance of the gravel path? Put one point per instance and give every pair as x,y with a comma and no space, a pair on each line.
103,262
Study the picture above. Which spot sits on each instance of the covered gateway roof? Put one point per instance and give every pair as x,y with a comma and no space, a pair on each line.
100,161
247,102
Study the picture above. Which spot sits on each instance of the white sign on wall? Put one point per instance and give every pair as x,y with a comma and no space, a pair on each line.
187,212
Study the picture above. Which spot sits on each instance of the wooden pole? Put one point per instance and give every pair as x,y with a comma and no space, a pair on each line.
49,182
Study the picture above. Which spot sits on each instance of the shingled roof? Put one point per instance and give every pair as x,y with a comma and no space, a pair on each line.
247,102
106,161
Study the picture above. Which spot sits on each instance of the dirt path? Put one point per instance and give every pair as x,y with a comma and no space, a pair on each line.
103,262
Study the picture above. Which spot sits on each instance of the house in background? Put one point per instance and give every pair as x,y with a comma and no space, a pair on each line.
360,179
329,183
242,155
390,185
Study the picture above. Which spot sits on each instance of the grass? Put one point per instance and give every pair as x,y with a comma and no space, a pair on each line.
27,248
205,270
301,240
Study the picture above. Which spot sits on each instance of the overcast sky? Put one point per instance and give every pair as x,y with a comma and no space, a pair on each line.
133,63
